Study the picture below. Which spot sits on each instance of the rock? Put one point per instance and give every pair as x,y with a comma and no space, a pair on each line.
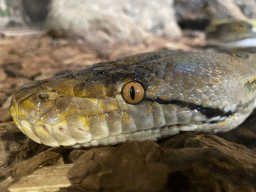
104,26
16,13
203,163
190,10
36,10
248,7
199,10
225,9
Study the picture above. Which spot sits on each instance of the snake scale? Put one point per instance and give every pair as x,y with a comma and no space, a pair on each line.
142,97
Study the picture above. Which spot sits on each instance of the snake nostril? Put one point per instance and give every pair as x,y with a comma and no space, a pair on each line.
43,96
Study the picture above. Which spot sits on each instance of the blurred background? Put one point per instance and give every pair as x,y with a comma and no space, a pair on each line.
105,26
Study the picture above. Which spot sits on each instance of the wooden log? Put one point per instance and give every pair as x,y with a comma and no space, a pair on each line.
47,179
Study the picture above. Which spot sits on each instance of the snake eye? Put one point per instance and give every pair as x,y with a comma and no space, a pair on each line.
133,92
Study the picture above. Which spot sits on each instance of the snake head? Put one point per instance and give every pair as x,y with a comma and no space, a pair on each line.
78,109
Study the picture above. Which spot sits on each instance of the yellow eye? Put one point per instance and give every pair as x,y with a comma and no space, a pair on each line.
133,92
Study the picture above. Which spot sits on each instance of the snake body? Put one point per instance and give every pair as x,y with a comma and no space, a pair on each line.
230,34
202,92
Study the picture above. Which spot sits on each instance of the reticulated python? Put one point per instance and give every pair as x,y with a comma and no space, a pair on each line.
141,97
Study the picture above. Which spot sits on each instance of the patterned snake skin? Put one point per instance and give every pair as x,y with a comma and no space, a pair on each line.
141,97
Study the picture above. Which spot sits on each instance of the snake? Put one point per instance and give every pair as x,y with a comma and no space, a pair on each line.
147,96
230,33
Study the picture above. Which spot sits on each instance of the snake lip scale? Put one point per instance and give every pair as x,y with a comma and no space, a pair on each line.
142,97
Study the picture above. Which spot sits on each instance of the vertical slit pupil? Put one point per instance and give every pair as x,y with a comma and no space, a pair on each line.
132,93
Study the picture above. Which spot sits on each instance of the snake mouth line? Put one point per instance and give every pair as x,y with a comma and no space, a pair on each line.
209,112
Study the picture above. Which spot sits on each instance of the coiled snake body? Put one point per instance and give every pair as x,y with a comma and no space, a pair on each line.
142,97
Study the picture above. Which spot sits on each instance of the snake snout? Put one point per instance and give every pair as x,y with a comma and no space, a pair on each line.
54,119
27,109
